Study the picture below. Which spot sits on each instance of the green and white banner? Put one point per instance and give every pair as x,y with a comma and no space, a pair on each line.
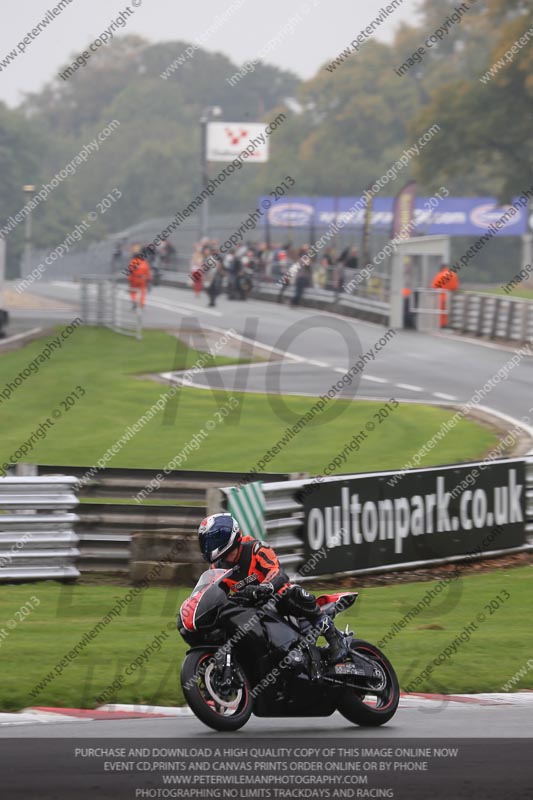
247,505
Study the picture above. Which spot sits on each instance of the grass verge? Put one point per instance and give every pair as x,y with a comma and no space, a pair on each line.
494,652
108,368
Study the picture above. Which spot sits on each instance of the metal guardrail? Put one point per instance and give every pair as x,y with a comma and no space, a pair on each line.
104,302
180,485
491,315
37,540
355,305
350,304
105,529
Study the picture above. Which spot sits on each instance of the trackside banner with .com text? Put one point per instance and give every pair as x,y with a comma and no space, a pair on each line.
362,522
455,216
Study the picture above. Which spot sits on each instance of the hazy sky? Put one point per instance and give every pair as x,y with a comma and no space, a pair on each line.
322,28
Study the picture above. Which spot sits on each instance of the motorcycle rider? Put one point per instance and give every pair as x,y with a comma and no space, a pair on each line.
257,573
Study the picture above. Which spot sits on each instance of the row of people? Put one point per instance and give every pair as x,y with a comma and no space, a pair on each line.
281,264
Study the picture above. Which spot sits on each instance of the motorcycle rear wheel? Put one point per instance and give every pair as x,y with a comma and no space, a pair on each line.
353,705
199,684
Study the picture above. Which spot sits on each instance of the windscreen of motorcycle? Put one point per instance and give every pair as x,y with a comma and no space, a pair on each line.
200,610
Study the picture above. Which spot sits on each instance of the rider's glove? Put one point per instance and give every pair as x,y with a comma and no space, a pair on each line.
264,590
247,592
255,593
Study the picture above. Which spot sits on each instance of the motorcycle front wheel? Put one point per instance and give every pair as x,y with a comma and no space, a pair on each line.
221,707
379,704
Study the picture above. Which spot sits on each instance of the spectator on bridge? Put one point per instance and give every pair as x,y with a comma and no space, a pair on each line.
216,273
167,254
273,270
261,254
351,260
303,278
348,260
447,280
234,268
196,270
139,276
286,273
197,278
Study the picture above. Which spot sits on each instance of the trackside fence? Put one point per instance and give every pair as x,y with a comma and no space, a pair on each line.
37,520
349,524
108,516
492,316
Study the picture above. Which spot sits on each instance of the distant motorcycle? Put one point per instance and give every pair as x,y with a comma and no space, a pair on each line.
247,658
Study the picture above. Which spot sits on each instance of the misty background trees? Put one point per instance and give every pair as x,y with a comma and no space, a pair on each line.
344,128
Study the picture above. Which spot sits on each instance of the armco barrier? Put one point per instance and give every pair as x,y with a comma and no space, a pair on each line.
351,305
491,315
285,519
37,540
105,529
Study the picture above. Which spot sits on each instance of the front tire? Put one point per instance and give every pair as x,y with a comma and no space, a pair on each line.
199,683
354,706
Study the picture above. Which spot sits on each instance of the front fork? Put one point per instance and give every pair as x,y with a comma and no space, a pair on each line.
223,660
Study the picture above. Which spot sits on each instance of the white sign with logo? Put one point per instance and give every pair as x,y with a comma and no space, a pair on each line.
227,140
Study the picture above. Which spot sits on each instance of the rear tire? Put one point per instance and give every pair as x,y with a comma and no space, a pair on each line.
352,706
197,685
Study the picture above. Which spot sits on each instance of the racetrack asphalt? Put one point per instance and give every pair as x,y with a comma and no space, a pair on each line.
487,716
410,366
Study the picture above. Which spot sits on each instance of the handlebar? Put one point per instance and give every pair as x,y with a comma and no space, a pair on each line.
241,599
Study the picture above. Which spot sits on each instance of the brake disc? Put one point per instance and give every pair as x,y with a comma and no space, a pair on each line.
214,693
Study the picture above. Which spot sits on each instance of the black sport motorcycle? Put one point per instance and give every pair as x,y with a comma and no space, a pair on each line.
246,657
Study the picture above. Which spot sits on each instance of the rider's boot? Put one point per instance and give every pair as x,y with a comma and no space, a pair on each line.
337,649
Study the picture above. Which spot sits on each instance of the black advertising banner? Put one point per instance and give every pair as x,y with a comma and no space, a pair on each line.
387,518
223,766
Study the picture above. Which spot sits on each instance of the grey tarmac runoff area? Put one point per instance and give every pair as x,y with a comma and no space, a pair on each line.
320,347
417,717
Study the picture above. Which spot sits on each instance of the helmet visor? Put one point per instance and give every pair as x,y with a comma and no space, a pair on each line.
212,541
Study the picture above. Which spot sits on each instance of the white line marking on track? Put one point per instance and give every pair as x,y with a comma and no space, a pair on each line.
246,339
198,308
409,387
372,378
65,284
318,363
181,376
444,396
178,309
22,335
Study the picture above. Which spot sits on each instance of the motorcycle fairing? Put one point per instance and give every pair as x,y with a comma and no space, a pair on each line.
189,607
